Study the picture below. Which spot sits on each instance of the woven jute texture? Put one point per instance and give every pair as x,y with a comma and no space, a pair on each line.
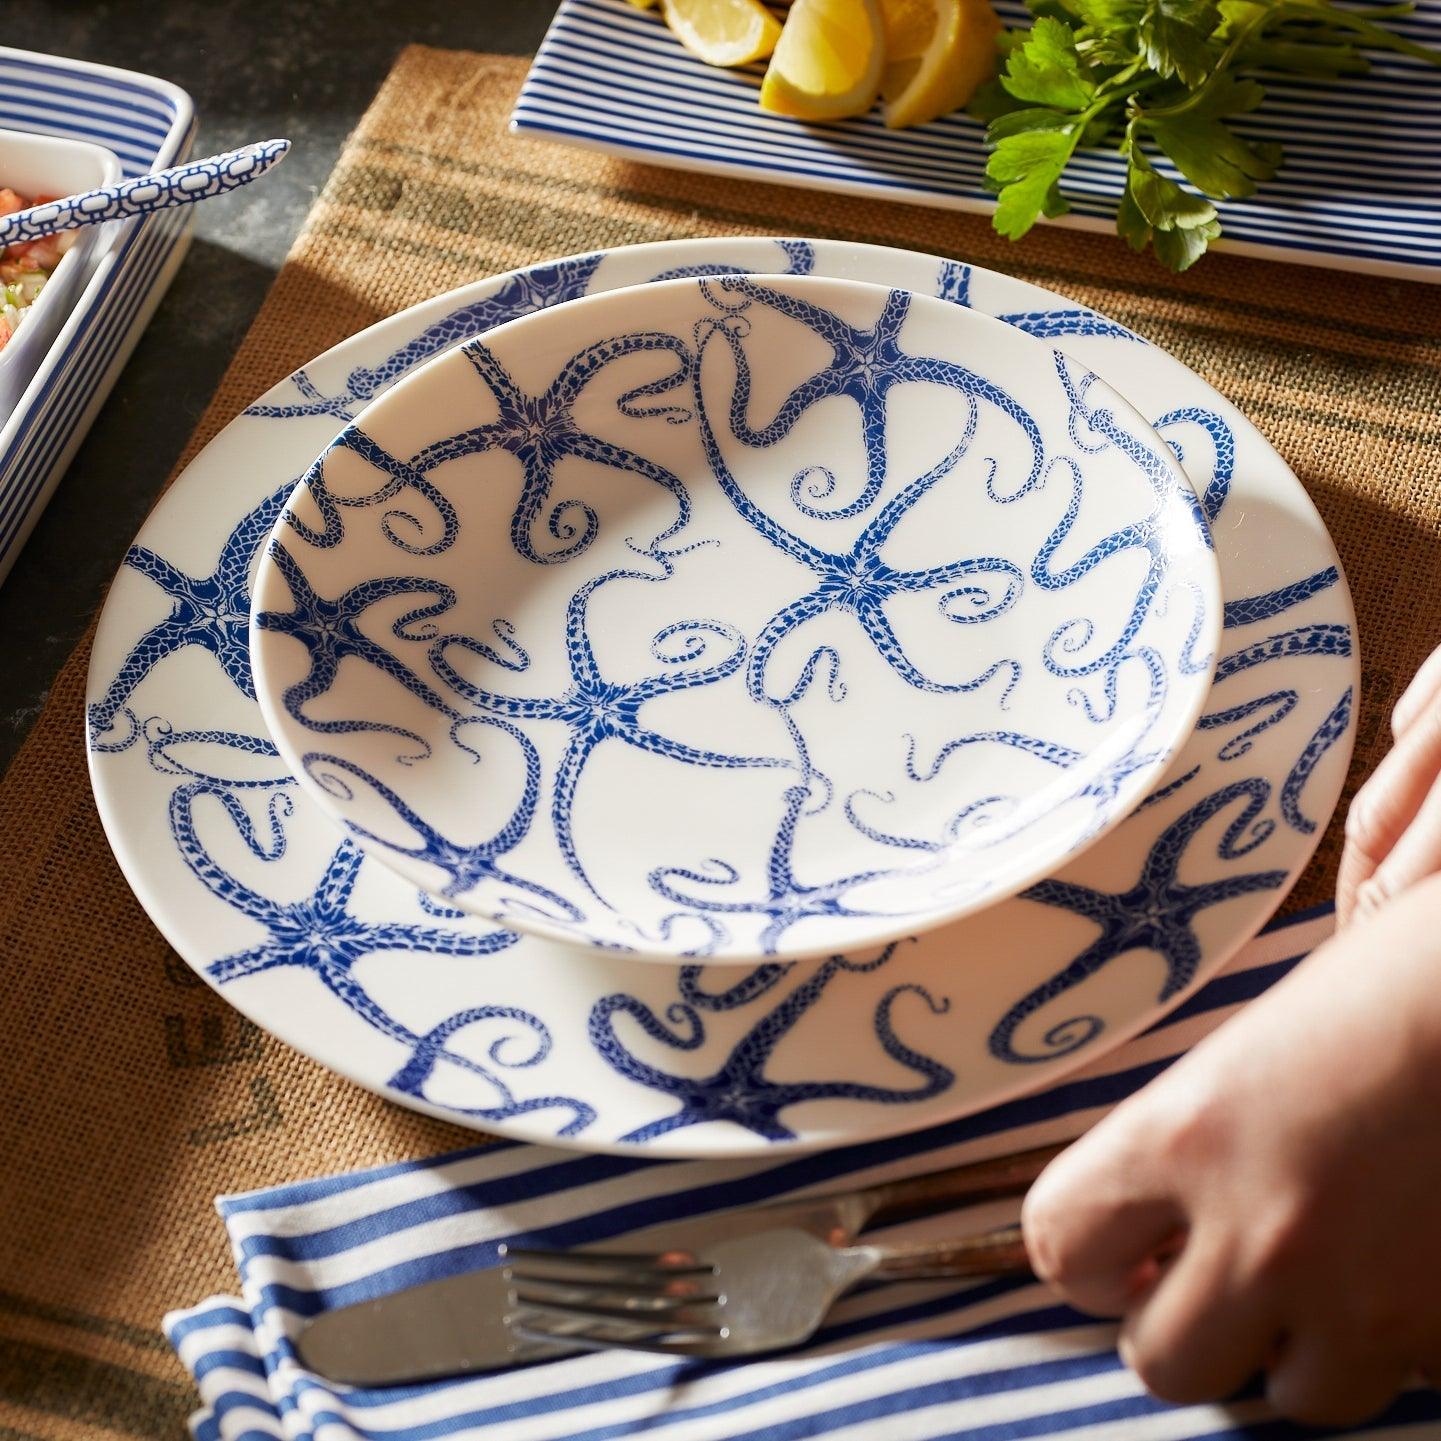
132,1094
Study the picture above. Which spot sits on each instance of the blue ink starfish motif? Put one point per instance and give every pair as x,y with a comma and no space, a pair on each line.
1251,608
536,288
320,935
432,1048
466,865
597,710
984,820
398,478
1277,705
162,740
540,431
211,611
1319,638
1223,457
1335,725
800,260
330,632
787,902
860,582
953,283
865,366
1146,534
1155,914
1053,324
738,1090
518,294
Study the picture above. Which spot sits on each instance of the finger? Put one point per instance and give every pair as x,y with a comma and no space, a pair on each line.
1318,1380
1421,695
1092,1222
1199,1335
1414,857
1385,806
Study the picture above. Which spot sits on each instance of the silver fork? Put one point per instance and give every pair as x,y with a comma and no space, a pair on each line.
761,1292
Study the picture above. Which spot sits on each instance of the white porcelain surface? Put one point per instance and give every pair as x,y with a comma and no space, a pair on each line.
735,619
260,892
48,165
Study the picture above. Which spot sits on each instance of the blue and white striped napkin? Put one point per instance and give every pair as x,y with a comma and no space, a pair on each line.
999,1359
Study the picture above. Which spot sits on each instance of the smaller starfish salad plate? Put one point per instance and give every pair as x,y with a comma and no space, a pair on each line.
737,618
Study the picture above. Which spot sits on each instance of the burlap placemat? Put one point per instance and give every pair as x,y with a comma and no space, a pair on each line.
132,1094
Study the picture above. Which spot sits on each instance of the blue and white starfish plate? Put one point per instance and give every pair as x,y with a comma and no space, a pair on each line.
736,619
273,905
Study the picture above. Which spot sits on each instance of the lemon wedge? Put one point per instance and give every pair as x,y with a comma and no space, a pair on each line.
909,25
937,61
828,60
723,32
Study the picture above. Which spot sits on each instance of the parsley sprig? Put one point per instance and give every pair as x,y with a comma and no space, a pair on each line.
1159,78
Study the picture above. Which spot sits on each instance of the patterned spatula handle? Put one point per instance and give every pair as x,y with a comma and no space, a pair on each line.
182,185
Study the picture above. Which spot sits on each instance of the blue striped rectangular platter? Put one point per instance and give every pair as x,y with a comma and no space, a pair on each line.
1360,188
149,124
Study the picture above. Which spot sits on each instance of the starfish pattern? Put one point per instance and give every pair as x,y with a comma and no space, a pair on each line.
466,865
430,1049
738,1090
1146,534
998,813
1335,725
330,631
1223,447
858,581
1247,610
865,366
212,611
162,740
787,901
953,283
399,477
540,431
800,260
535,288
1155,914
320,935
597,710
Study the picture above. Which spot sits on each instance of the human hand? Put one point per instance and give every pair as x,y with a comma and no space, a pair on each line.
1393,829
1270,1201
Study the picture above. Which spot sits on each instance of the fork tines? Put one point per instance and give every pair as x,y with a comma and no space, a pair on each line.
600,1300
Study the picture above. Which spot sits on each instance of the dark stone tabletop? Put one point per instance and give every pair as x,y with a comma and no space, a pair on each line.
262,68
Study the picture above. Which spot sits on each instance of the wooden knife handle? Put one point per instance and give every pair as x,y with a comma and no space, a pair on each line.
959,1186
1001,1252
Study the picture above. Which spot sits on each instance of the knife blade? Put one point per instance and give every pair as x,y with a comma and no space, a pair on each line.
457,1325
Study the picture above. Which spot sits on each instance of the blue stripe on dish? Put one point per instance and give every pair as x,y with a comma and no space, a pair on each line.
38,447
1362,181
149,125
50,418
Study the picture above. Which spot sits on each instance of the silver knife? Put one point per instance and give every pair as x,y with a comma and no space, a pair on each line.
457,1325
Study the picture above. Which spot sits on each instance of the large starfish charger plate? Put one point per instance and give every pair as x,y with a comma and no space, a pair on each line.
287,918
